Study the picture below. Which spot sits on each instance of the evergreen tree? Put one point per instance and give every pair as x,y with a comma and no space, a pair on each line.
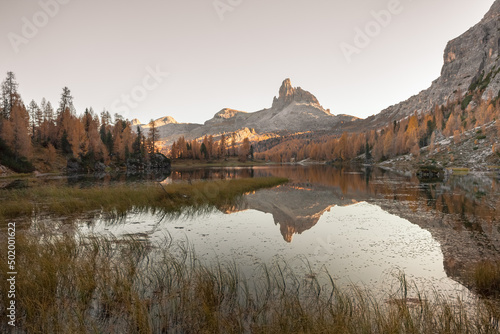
204,150
66,102
33,111
137,147
9,95
368,155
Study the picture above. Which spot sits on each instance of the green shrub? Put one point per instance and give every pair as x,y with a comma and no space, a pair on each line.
466,101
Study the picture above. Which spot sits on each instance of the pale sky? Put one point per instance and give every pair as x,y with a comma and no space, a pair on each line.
234,56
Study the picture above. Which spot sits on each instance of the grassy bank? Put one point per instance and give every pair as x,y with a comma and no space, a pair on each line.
117,199
97,285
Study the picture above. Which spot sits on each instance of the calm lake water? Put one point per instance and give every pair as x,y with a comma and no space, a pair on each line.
361,225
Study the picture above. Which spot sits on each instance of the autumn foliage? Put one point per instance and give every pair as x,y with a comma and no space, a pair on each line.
88,138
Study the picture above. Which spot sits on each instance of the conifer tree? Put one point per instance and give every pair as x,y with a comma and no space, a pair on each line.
10,96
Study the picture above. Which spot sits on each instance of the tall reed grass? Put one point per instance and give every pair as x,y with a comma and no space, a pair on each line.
70,284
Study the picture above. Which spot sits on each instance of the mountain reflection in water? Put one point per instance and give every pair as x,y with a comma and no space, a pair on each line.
461,212
322,205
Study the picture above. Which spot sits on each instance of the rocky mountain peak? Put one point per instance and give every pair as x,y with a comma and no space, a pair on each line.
135,121
288,94
286,88
227,113
165,120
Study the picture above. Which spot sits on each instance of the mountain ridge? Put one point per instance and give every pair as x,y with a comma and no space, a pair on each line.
294,110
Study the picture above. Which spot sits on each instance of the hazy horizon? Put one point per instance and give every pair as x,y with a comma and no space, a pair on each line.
227,53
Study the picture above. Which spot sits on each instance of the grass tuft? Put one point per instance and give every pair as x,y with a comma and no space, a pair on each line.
486,278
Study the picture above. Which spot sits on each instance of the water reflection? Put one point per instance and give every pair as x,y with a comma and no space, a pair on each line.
460,212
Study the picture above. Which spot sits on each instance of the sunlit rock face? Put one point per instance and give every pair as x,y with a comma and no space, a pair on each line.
288,95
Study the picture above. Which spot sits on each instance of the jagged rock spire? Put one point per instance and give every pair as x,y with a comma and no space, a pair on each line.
288,94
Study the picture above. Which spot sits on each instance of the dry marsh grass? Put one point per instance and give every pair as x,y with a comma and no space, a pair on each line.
103,285
117,199
485,277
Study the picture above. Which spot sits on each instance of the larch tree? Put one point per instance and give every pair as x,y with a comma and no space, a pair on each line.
438,114
153,136
451,125
77,137
20,141
195,146
222,146
342,147
244,150
233,143
389,143
174,152
96,146
412,134
210,147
